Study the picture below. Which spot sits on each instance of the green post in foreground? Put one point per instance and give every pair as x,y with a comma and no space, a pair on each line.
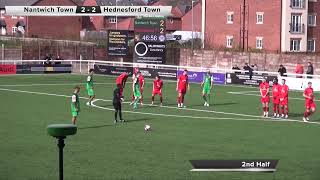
61,131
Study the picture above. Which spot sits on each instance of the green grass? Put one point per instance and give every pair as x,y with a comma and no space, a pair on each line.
102,150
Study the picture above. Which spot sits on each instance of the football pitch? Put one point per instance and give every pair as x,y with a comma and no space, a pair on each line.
231,128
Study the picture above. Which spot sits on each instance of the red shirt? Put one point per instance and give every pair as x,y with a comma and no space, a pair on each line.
264,88
309,92
276,90
141,80
121,78
157,85
183,81
284,90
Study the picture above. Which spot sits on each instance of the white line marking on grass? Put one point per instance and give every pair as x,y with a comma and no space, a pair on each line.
53,84
248,94
257,118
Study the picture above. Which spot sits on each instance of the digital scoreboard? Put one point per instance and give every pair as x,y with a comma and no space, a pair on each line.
150,40
88,10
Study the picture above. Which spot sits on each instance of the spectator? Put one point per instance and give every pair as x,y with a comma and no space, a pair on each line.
255,67
58,58
299,69
282,70
235,67
48,59
310,70
246,67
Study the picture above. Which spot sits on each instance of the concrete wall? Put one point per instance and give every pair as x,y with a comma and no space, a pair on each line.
265,62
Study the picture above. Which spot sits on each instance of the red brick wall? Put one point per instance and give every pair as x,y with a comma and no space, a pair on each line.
314,32
187,19
270,30
217,28
95,22
10,22
55,27
216,22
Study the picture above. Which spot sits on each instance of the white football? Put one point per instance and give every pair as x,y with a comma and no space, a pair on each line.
147,127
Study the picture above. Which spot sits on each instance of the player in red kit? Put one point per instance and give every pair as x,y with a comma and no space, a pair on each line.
276,98
121,81
265,96
157,89
284,97
182,86
309,104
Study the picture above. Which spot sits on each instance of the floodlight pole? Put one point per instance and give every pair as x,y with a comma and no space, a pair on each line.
61,146
192,45
203,22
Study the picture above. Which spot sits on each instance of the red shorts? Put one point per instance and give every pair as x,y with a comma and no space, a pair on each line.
141,90
311,105
284,102
182,91
275,100
265,99
157,92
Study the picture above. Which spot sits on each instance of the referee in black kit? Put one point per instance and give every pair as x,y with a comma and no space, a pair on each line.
117,99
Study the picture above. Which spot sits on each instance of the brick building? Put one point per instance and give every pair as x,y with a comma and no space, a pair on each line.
313,37
9,24
99,23
186,20
59,27
40,26
277,26
246,24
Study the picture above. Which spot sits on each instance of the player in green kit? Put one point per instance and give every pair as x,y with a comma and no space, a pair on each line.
75,104
89,87
207,85
136,91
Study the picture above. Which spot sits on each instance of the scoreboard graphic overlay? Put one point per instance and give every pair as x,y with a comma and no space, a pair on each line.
150,40
88,10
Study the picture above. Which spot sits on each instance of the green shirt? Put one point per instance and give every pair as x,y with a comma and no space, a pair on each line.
137,86
75,103
89,82
207,80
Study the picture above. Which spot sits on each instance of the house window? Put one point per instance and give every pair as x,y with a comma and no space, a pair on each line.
312,20
2,13
112,19
14,17
296,25
230,17
295,45
14,30
311,45
260,17
259,42
229,41
297,4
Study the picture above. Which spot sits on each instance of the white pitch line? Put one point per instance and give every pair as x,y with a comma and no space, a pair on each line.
53,84
217,112
166,115
248,94
202,117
